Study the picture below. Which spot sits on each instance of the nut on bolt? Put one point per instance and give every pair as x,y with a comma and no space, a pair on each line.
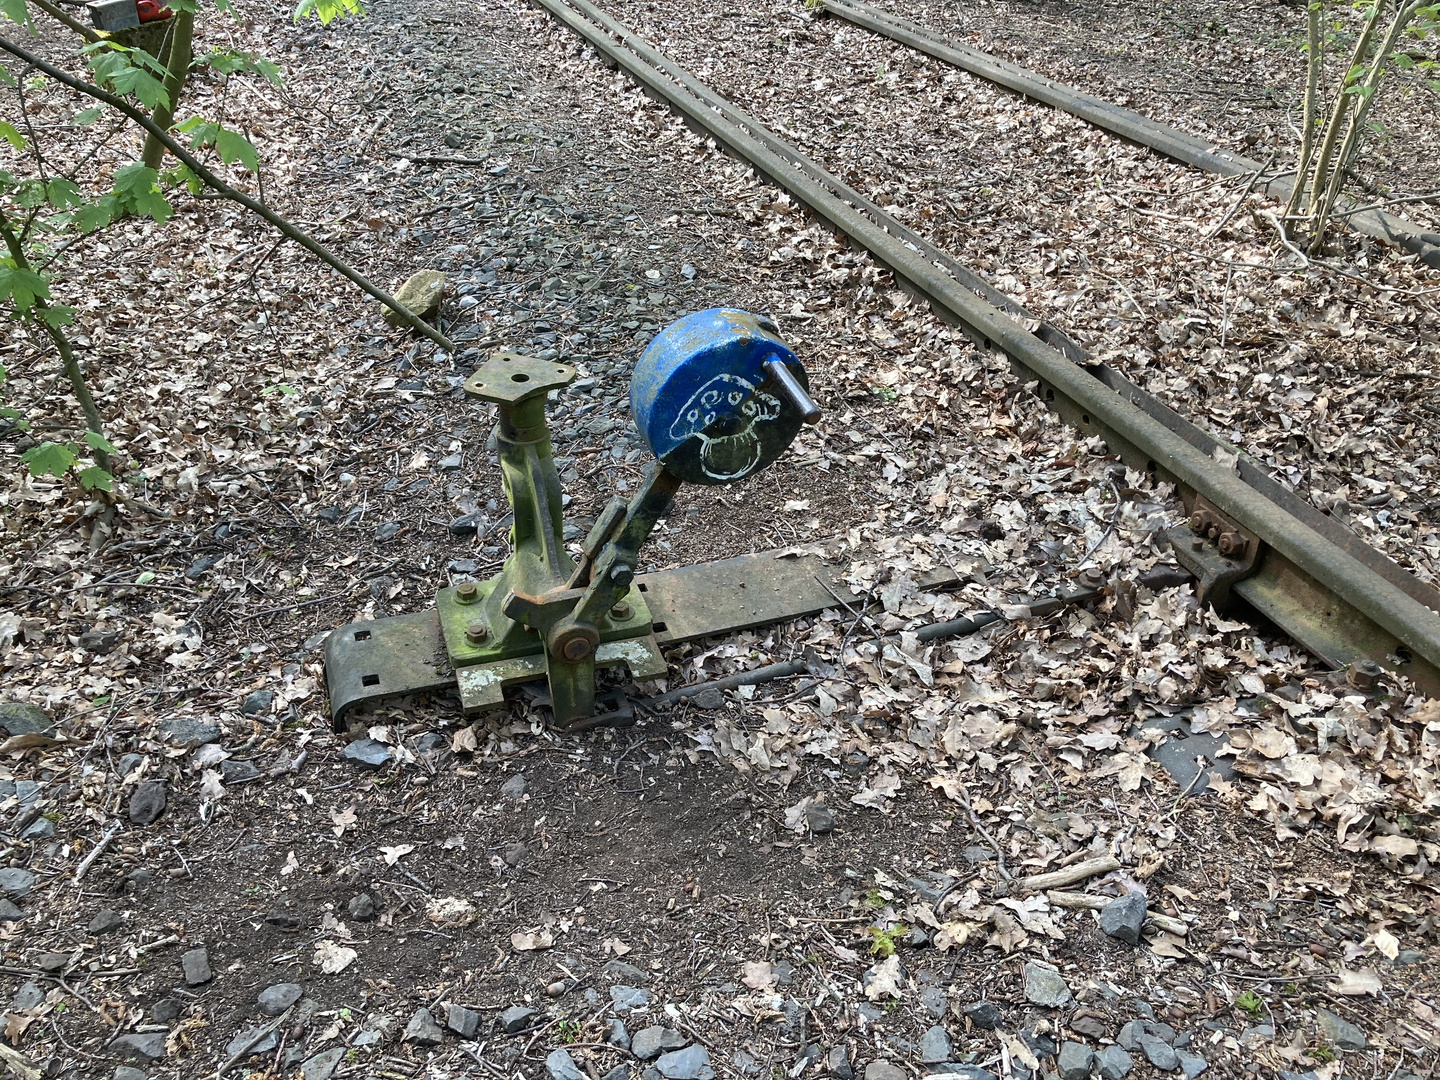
620,612
1364,675
466,592
476,632
1231,543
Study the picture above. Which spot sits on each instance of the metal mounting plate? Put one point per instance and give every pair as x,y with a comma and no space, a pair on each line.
405,654
714,598
366,661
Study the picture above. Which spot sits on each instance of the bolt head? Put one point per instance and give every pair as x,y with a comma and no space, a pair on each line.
1197,544
576,649
1197,522
620,612
466,592
476,632
1364,675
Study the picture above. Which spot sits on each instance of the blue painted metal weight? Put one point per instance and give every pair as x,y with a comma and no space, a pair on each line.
705,404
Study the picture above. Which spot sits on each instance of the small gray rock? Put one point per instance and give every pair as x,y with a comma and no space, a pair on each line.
462,1021
1074,1060
932,886
619,1072
819,819
40,829
1192,1065
183,731
247,1044
837,1063
323,1065
1123,917
387,530
148,802
238,772
29,996
883,1070
515,1019
361,907
15,882
166,1010
975,1072
691,1063
710,699
514,787
198,568
257,702
196,965
1158,1053
274,1000
105,921
369,754
935,1001
1308,1074
1114,1063
22,718
649,1043
561,1066
625,998
129,1072
147,1046
984,1014
615,1033
53,961
619,969
423,1030
934,1045
9,912
1339,1032
1045,986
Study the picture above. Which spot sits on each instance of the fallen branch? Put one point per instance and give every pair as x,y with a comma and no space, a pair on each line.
24,1068
224,190
260,1033
1077,901
1058,879
95,852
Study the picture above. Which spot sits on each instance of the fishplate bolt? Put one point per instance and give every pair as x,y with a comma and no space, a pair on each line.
466,592
476,632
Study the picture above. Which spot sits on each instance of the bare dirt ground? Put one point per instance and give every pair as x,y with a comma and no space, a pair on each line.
818,877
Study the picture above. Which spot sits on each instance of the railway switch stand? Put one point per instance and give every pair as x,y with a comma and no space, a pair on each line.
717,397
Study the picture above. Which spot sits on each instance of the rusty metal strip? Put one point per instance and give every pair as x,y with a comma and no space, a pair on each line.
1129,429
1126,123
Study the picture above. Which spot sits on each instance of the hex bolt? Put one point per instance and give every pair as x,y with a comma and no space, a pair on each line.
1093,575
576,649
620,612
1197,522
466,592
476,632
1364,675
1231,543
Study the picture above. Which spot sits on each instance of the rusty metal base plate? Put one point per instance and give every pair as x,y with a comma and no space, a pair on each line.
405,654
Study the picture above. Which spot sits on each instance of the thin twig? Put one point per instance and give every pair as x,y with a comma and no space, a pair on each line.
89,860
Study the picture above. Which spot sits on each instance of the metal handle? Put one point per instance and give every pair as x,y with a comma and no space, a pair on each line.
790,387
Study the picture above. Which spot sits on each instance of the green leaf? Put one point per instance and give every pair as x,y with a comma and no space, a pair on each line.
235,147
88,117
6,77
21,287
96,441
57,316
145,578
63,193
96,215
328,10
16,11
137,191
49,459
10,135
94,478
114,67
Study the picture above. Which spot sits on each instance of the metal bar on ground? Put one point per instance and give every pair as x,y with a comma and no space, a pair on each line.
1128,124
1400,632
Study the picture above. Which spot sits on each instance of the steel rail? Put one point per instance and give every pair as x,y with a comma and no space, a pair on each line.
1126,123
1369,614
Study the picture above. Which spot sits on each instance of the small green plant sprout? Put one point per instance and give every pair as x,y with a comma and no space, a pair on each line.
1250,1002
61,459
885,941
1321,1053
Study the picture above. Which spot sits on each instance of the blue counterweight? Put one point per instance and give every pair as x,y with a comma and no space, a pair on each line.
704,403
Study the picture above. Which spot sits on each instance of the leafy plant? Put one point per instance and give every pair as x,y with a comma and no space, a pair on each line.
884,942
1251,1002
1332,133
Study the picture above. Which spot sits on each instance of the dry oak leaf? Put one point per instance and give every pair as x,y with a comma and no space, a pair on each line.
395,854
332,957
343,819
884,980
1356,983
759,975
524,941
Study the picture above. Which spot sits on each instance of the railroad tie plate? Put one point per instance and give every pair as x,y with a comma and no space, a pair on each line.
382,658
